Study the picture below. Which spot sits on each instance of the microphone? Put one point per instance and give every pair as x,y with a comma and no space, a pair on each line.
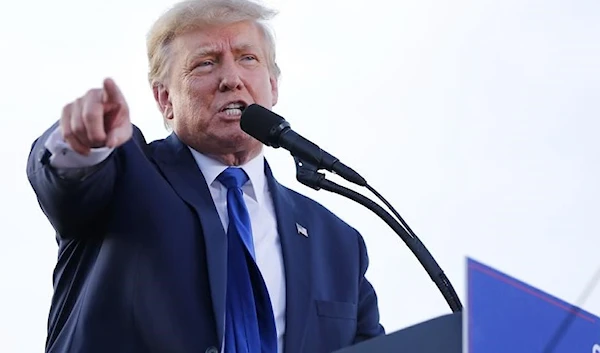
273,130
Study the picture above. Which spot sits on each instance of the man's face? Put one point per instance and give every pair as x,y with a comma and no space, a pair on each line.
214,72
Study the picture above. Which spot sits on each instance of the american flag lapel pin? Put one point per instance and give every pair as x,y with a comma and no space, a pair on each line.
302,230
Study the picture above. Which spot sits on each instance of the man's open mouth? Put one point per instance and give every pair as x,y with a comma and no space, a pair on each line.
234,108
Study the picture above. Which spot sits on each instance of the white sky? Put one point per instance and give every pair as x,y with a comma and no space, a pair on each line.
477,119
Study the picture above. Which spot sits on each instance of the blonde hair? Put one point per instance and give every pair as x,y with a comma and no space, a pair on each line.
191,14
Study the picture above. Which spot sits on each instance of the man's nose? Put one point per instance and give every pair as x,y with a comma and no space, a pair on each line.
230,77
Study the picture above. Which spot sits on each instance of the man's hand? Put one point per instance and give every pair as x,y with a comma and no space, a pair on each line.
98,119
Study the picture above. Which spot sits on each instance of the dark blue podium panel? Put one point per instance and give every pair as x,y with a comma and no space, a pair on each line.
505,315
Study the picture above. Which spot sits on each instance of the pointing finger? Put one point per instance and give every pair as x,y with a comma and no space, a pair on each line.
112,93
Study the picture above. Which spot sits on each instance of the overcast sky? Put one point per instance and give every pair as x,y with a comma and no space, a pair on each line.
477,119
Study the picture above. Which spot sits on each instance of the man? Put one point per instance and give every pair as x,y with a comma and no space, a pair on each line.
189,244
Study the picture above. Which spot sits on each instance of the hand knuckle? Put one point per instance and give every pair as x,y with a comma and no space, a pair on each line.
77,125
95,137
92,93
90,115
66,110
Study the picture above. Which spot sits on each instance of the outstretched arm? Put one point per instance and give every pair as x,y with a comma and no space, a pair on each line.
72,167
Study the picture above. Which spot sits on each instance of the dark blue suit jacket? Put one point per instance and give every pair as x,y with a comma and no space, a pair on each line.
142,259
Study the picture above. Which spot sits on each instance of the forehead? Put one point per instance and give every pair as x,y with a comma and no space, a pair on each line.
218,38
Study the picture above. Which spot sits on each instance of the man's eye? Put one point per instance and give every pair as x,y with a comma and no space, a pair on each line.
249,57
204,63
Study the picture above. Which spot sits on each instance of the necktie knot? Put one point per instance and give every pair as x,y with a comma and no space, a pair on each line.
233,178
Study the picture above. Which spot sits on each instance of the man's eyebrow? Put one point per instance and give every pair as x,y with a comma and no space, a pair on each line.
213,49
245,47
205,51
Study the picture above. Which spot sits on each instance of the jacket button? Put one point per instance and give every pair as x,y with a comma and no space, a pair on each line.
211,350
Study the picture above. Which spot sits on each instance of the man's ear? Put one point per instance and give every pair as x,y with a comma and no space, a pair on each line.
274,90
163,100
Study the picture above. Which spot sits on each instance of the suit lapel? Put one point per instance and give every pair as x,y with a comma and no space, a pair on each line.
181,170
295,244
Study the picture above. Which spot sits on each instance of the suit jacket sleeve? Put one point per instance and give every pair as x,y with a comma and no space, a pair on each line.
368,325
73,200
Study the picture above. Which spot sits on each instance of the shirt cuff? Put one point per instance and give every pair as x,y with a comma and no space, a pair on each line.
64,157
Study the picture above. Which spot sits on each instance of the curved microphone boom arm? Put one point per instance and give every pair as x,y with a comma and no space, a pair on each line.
308,174
274,131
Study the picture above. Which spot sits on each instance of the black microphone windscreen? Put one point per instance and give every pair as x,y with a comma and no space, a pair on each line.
258,122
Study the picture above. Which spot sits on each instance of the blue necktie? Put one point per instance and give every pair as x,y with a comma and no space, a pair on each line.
249,321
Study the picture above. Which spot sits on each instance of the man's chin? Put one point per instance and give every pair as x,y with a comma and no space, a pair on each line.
239,142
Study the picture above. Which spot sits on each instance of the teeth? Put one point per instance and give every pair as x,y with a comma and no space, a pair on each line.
233,111
234,106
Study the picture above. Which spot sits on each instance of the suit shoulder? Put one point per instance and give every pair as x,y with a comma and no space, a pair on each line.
138,135
150,148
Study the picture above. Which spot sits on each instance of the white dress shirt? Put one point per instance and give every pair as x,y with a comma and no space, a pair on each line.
258,200
267,245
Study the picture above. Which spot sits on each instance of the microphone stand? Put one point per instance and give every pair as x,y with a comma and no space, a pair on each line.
307,174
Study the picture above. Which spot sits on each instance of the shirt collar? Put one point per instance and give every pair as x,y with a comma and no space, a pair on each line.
255,168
